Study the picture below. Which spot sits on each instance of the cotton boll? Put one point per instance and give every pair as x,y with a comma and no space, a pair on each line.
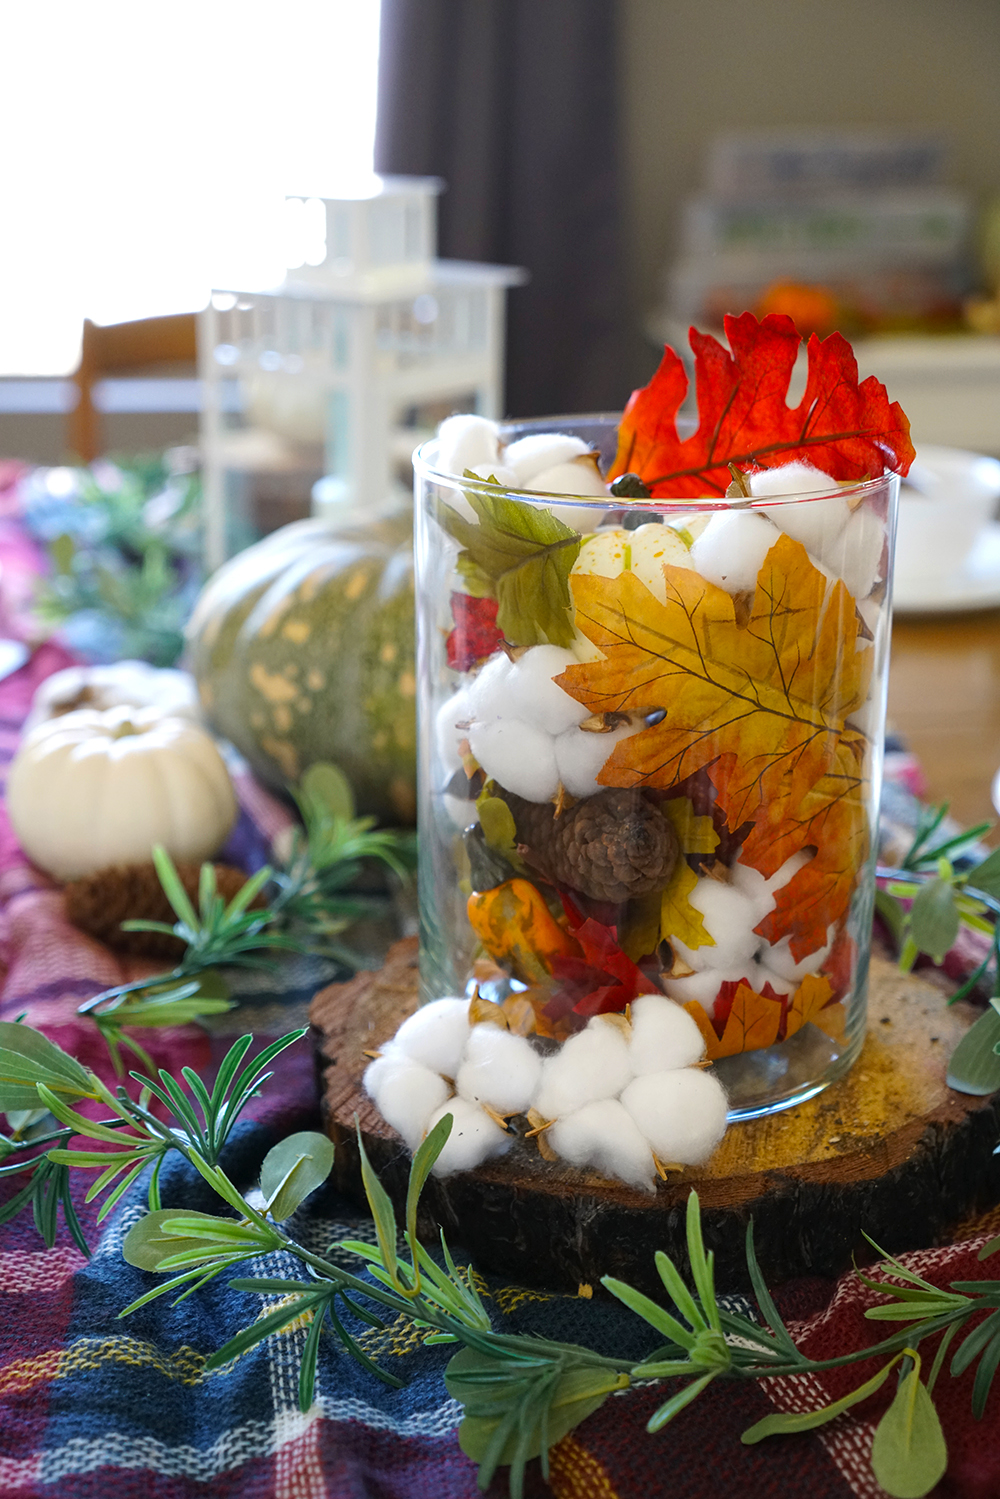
577,477
592,1064
729,917
777,958
751,883
789,869
496,472
447,734
466,442
664,1036
487,694
816,524
858,552
682,1114
474,1137
731,549
532,455
499,1069
580,756
604,1136
405,1093
536,698
436,1035
704,985
519,756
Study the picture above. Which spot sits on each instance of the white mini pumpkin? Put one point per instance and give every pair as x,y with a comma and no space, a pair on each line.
135,684
90,789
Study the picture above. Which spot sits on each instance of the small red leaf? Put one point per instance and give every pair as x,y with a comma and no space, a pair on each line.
605,979
848,430
475,635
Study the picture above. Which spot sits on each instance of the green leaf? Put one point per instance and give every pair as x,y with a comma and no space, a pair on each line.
892,913
526,553
975,1067
650,1312
172,887
677,1403
909,1455
429,1150
499,829
934,918
382,1210
262,1329
28,1058
783,1422
327,785
146,1245
294,1168
986,876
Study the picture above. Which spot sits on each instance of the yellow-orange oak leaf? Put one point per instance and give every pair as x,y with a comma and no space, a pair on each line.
813,994
752,1023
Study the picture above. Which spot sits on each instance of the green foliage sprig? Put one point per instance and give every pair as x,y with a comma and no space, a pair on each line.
520,1394
939,900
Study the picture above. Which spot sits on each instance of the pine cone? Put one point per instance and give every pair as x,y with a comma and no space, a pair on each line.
611,846
99,903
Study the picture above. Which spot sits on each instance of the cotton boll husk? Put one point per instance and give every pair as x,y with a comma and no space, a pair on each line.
731,549
447,735
581,755
486,695
500,1069
592,1064
436,1035
777,959
536,698
467,442
751,883
858,551
405,1093
604,1136
528,456
729,917
519,756
497,472
664,1036
682,1114
474,1137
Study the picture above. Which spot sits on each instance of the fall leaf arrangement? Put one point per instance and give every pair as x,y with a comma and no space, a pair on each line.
655,767
520,1394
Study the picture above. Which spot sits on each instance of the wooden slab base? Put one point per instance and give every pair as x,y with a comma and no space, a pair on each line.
889,1150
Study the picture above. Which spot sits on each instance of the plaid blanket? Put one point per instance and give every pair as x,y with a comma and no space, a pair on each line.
92,1405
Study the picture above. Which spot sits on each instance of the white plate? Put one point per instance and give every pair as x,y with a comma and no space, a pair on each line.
976,585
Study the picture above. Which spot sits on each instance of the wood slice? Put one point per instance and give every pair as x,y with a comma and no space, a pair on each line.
889,1150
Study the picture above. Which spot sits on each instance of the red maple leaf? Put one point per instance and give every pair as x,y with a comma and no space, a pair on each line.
475,635
848,430
604,980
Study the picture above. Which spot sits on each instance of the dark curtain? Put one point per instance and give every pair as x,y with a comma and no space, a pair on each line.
513,103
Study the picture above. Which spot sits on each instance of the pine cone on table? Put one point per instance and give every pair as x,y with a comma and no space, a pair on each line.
611,846
99,903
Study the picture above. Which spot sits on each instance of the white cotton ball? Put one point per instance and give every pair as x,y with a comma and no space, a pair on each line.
447,734
580,756
532,455
664,1036
436,1035
858,552
486,695
751,883
604,1136
592,1064
578,477
495,473
777,959
816,523
534,697
474,1137
731,550
729,917
790,478
405,1093
465,442
682,1114
518,756
499,1069
702,986
460,812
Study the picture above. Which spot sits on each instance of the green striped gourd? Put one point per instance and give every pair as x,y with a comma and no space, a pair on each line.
303,650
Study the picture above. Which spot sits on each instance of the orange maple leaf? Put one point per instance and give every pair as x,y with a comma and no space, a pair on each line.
762,704
758,1020
847,429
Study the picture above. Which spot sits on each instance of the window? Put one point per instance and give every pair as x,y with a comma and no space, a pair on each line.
149,145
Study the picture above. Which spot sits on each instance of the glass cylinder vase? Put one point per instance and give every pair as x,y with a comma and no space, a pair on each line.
650,758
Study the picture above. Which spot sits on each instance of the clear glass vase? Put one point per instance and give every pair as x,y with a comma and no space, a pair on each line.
650,758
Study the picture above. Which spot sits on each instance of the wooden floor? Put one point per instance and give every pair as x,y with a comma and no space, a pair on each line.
944,698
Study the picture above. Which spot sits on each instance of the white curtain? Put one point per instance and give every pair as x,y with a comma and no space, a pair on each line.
147,146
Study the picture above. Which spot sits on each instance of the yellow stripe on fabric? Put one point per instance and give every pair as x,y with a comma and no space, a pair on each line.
185,1364
24,1373
575,1473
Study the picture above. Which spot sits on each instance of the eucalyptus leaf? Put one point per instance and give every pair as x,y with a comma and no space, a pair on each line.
975,1066
527,554
27,1057
326,784
294,1168
146,1245
783,1422
934,918
986,876
909,1454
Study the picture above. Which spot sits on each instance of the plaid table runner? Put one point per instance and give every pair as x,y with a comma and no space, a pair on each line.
90,1405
